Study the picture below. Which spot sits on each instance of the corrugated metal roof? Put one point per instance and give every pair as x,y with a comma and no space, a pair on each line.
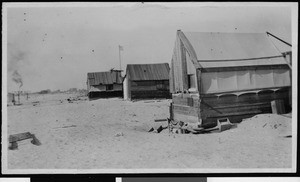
97,78
148,71
226,49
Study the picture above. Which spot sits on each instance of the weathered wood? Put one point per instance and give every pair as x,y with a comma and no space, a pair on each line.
13,139
185,101
236,107
199,88
13,146
240,113
171,110
190,102
245,98
19,137
186,110
245,91
185,118
150,94
278,107
160,120
184,67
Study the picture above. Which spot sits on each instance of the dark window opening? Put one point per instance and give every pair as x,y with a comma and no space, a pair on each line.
109,87
191,81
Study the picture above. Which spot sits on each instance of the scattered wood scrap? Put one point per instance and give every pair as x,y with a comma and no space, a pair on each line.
13,139
181,127
68,126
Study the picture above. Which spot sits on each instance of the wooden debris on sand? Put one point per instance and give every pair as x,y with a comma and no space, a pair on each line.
13,139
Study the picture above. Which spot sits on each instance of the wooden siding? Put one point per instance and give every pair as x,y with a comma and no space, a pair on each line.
232,106
118,87
149,89
247,104
185,108
148,94
150,85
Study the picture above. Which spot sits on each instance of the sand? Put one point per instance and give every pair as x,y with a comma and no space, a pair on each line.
112,133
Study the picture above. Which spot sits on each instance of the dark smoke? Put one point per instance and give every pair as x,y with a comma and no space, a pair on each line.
16,77
16,57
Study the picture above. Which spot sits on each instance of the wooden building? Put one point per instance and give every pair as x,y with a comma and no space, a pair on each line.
226,75
146,81
104,84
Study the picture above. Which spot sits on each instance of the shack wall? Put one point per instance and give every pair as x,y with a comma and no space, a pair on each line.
236,107
117,87
186,108
178,68
149,89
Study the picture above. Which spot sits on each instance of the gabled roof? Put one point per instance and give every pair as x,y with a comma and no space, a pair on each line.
97,78
148,71
233,49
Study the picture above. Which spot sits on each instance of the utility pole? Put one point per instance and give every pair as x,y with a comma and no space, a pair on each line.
120,49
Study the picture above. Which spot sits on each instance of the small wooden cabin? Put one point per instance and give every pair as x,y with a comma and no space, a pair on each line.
146,81
104,84
226,75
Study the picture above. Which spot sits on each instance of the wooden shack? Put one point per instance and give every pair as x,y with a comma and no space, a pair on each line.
146,81
104,84
226,75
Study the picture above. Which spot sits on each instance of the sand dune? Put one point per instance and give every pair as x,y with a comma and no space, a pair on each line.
112,133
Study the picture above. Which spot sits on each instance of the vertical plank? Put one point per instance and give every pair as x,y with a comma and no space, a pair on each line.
183,67
278,106
171,111
198,77
171,77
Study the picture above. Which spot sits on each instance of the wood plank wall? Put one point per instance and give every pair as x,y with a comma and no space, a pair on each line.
232,106
141,94
185,108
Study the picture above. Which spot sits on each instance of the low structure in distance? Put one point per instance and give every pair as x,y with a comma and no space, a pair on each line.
104,84
146,81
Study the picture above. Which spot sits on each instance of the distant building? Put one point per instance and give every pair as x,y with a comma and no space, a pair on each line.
146,81
104,84
227,75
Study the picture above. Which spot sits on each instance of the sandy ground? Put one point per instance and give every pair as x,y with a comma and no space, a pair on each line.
112,133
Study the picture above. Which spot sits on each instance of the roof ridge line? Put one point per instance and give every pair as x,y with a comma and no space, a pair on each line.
245,59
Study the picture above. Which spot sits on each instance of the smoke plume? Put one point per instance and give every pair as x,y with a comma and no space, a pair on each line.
16,77
16,57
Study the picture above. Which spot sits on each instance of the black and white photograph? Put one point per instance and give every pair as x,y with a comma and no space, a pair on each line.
149,87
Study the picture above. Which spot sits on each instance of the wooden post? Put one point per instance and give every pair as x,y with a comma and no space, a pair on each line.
13,99
198,75
278,107
171,111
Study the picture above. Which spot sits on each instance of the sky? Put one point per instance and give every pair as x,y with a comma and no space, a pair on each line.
54,45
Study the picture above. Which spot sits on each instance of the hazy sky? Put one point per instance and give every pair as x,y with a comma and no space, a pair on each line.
55,47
